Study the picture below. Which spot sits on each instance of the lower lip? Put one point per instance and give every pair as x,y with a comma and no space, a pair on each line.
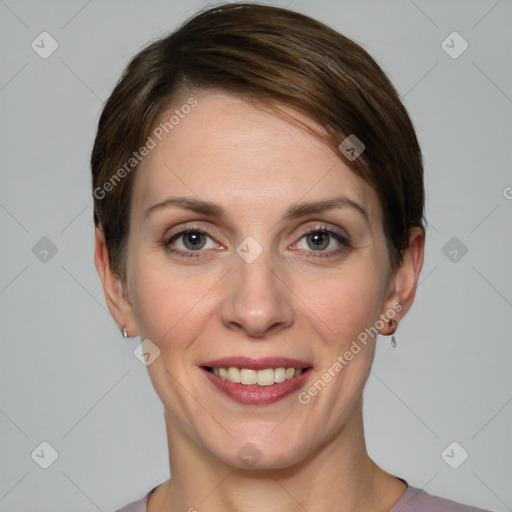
257,395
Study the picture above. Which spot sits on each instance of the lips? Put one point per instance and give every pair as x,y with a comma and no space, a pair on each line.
256,364
257,381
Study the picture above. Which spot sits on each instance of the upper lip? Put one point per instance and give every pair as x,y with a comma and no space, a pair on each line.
256,364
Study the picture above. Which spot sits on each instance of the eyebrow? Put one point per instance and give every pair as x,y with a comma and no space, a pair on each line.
306,208
296,210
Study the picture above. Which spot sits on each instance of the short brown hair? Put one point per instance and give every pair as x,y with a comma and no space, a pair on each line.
272,56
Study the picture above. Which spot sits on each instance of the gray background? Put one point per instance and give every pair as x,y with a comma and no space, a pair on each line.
67,376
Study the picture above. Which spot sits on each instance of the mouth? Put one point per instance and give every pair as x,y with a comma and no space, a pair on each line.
248,377
257,381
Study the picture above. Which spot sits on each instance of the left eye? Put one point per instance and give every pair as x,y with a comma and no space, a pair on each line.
319,241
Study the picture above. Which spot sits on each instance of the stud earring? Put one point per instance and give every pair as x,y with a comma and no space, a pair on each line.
124,333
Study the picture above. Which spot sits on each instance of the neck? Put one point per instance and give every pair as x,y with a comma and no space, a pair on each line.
338,476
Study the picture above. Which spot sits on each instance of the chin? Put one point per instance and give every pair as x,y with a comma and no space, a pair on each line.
257,453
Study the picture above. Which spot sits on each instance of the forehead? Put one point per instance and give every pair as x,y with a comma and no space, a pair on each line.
229,151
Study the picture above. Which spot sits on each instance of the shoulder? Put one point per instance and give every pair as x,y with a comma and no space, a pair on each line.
418,500
137,506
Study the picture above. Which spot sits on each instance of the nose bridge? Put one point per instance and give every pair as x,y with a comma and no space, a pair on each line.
257,299
257,280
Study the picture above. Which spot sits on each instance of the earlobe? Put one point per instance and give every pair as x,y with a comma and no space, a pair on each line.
405,281
118,304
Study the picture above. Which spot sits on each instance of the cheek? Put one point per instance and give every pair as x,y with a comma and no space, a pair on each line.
344,302
342,309
169,306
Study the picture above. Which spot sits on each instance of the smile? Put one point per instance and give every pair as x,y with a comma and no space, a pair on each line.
248,377
257,381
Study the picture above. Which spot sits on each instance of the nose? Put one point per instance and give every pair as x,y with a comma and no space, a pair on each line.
257,301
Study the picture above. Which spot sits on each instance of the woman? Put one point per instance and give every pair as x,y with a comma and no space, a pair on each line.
259,203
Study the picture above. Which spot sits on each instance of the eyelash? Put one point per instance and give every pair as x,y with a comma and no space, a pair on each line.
344,242
185,254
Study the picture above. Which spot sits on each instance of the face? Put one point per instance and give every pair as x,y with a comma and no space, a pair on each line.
254,254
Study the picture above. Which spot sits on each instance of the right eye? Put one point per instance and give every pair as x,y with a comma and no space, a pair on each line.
190,240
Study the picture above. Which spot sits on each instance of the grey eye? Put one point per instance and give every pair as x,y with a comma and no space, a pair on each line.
317,241
194,240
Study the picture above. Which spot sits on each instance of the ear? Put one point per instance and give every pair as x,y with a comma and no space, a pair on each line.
402,288
118,302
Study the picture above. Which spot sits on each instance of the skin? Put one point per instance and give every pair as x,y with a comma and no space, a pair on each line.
289,302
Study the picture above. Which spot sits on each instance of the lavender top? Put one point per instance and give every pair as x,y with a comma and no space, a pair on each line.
413,500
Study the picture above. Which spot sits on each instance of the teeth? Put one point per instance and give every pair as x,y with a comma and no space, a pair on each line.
248,377
265,377
233,374
280,374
